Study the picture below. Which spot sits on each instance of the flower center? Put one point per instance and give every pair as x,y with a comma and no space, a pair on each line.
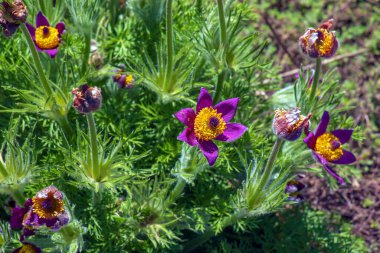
324,42
128,79
27,248
329,147
208,124
48,207
47,37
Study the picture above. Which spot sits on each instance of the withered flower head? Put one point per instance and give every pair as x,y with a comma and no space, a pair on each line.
12,15
288,124
87,99
320,42
48,203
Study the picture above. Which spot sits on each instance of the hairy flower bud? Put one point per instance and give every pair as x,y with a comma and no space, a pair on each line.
288,124
87,99
12,15
320,42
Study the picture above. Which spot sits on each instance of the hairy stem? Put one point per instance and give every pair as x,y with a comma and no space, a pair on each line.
169,43
315,83
219,86
178,189
37,61
94,146
222,23
64,123
269,166
87,48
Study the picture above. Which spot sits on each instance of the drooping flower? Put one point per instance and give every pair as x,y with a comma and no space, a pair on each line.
12,15
210,123
45,37
123,80
327,146
320,42
288,124
294,188
45,208
87,99
27,248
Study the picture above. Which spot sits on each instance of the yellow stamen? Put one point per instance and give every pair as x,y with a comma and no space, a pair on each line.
324,147
27,248
208,124
324,45
48,207
129,80
47,37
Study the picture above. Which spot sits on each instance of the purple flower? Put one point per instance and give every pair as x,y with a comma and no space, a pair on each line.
327,146
209,123
27,248
123,80
87,99
12,15
320,42
45,37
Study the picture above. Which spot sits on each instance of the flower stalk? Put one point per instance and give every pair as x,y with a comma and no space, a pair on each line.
315,82
169,42
269,166
37,61
94,146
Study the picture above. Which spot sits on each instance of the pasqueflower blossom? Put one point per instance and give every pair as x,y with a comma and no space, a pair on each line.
288,124
294,188
123,80
210,123
45,208
45,37
27,248
12,15
327,146
320,42
87,99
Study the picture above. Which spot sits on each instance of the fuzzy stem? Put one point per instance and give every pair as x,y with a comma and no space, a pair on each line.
18,196
64,123
222,23
269,166
94,146
219,86
169,43
37,61
178,189
87,48
315,82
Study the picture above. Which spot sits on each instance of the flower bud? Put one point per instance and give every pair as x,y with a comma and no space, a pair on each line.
320,42
87,99
289,124
12,15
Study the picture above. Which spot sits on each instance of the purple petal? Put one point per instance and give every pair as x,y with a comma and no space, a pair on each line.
32,30
121,81
210,150
17,216
41,20
227,108
343,135
186,116
51,52
60,27
321,129
310,140
188,136
333,174
346,158
204,100
232,132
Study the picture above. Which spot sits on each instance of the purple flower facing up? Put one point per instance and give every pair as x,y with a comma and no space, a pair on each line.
87,99
123,80
327,146
12,15
27,248
45,208
45,37
210,123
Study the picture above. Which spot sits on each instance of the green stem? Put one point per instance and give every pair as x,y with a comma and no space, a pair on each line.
222,23
199,6
37,61
94,146
269,166
18,196
87,48
219,86
169,42
315,83
64,123
178,189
